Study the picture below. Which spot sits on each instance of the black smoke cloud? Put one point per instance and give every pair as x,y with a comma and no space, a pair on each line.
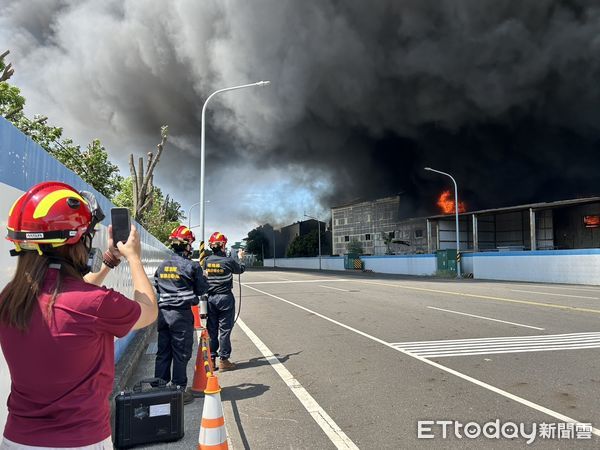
502,94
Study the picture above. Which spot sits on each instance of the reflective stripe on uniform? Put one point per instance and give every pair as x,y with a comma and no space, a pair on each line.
220,278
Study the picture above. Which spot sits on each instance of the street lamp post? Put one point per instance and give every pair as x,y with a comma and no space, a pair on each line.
190,212
274,247
319,235
456,216
202,150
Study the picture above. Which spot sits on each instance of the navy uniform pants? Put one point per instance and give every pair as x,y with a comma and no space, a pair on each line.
175,344
221,313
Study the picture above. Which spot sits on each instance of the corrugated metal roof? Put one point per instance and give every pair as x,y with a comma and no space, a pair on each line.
536,206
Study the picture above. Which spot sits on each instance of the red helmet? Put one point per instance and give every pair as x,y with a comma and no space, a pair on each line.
182,233
217,238
52,213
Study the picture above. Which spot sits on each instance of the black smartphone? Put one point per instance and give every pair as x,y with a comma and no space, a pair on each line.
121,224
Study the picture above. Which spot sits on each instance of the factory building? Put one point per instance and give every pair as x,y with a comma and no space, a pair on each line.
371,223
559,225
377,226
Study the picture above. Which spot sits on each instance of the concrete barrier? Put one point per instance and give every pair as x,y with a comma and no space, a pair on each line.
401,264
543,266
547,266
327,263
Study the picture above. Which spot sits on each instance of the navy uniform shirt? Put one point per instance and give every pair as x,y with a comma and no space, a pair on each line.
220,269
179,282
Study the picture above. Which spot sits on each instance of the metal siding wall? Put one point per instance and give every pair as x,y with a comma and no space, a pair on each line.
25,163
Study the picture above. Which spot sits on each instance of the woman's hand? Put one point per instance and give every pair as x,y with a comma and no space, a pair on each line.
111,244
132,249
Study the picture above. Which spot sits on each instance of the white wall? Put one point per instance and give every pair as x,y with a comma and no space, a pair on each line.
466,262
547,266
550,266
401,264
327,263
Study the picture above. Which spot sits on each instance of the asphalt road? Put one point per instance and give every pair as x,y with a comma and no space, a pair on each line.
359,359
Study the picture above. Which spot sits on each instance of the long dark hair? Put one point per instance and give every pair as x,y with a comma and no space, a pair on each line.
20,295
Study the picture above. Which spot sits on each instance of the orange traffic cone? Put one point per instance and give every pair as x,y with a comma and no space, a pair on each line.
203,368
196,313
213,434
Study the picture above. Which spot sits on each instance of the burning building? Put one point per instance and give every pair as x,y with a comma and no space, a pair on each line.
559,225
376,225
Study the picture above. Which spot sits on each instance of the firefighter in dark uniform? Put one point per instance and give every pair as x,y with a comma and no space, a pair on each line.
220,269
179,282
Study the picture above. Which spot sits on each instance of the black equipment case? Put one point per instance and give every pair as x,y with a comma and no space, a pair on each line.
143,416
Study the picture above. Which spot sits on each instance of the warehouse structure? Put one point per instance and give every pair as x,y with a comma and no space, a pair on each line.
377,226
559,225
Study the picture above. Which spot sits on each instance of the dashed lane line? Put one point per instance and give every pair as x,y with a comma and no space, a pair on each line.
485,318
334,288
439,366
321,280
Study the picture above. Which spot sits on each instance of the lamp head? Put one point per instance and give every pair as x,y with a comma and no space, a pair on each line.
263,83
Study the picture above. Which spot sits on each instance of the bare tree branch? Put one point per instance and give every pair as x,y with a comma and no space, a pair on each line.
134,189
152,162
8,70
142,183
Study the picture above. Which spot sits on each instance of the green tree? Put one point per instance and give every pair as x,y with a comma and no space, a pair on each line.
305,245
11,100
257,242
164,215
354,246
91,164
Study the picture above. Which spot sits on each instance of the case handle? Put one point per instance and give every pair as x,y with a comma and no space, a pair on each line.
157,381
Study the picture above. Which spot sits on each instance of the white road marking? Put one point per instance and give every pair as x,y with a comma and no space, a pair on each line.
501,339
468,378
331,429
552,293
337,289
486,318
326,280
511,344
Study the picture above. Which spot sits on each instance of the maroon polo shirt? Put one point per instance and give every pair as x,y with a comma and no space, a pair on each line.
62,369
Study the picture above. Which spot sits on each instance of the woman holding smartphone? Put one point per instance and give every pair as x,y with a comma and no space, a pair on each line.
57,325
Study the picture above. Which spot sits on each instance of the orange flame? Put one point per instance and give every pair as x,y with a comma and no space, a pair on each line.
446,203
